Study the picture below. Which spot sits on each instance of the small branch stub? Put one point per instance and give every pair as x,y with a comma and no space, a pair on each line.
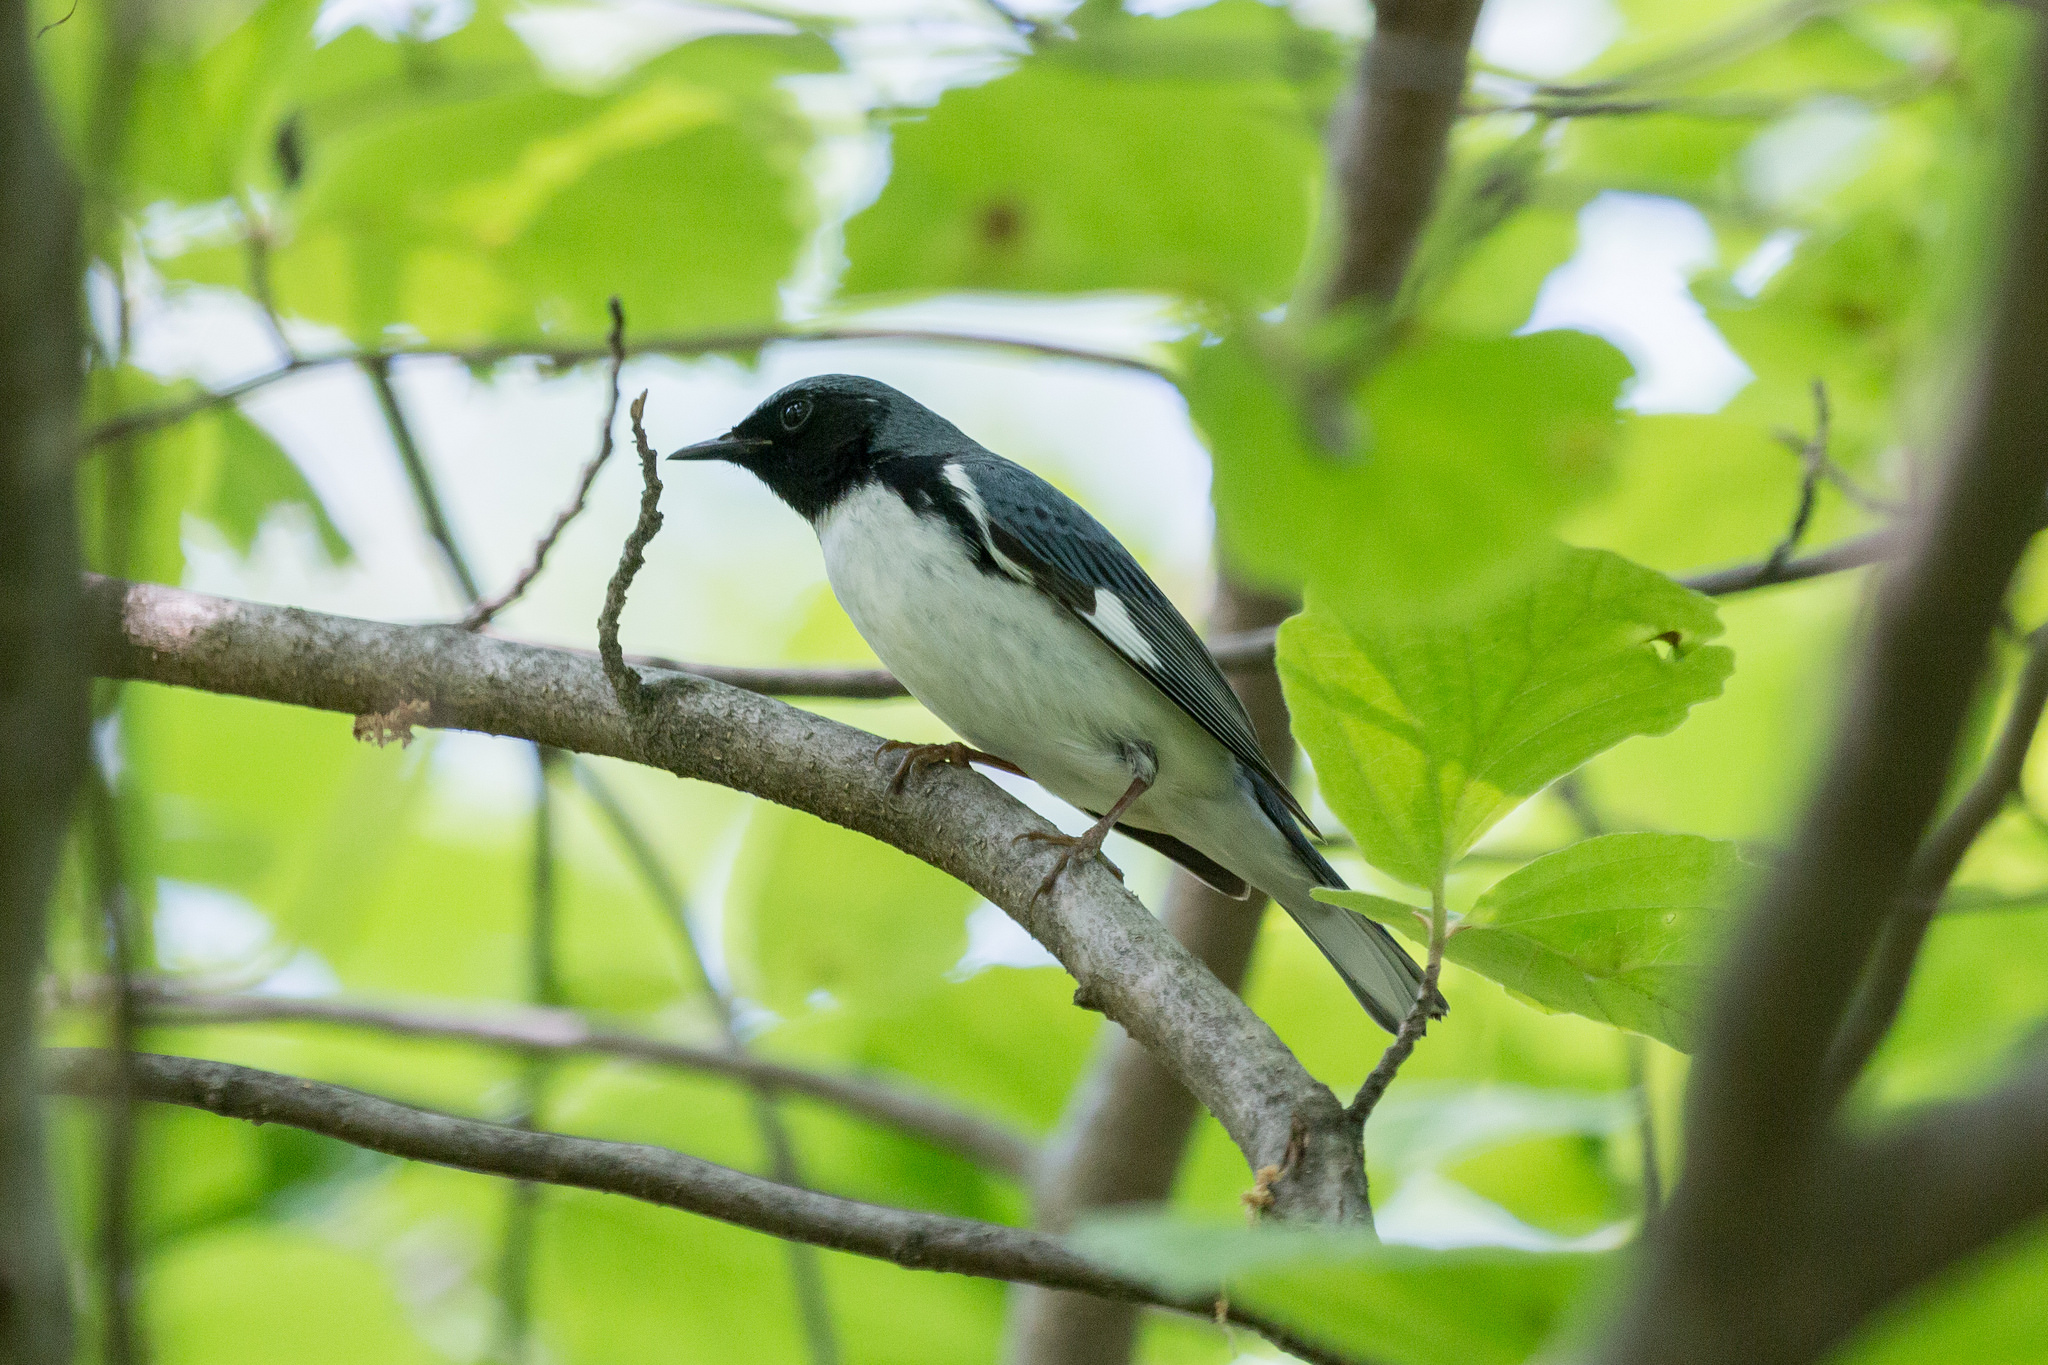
624,679
394,726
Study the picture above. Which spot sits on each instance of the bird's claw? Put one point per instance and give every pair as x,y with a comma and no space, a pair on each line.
917,757
1074,848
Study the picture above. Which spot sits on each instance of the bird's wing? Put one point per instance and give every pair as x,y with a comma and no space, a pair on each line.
1041,536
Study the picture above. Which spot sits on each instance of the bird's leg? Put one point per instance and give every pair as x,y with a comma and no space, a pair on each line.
1088,843
917,757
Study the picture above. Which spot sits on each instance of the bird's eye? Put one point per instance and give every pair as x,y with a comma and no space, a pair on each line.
795,412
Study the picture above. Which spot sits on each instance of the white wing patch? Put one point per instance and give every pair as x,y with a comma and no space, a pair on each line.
1115,625
969,494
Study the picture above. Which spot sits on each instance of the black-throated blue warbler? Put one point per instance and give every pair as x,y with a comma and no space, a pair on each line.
1024,625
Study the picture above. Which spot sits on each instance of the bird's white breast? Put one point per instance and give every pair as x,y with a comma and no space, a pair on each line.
1002,664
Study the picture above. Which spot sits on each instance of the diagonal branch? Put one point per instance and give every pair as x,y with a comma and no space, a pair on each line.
915,1240
1758,1109
550,1032
555,354
480,615
1934,865
1129,967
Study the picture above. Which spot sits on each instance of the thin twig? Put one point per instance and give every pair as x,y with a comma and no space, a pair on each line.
560,356
806,1272
1883,988
1744,36
1637,1049
625,681
1815,464
909,1238
1241,651
543,990
256,235
539,1032
121,1332
1415,1025
1738,108
378,368
480,616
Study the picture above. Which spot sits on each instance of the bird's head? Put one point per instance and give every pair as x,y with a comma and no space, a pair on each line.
813,440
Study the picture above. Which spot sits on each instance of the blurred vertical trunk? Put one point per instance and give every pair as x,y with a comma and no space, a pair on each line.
42,678
1128,1124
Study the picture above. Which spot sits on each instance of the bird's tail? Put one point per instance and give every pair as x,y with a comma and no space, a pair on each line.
1379,971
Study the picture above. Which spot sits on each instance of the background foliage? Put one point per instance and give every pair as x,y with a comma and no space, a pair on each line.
1795,192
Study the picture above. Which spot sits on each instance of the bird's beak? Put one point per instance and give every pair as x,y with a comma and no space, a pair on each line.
726,447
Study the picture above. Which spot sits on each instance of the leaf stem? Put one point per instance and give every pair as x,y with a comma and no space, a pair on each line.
1417,1022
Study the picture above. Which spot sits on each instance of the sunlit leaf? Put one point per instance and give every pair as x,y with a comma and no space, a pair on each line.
1176,154
1621,928
1426,732
1350,1291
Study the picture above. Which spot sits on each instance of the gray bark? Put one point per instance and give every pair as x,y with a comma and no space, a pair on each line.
1735,1268
1128,966
42,679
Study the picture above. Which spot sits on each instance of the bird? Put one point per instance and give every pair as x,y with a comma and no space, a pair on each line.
1024,625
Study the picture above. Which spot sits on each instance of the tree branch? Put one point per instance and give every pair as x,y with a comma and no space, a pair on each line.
1387,146
1758,1109
1129,967
168,414
915,1240
1934,865
42,678
378,370
553,1032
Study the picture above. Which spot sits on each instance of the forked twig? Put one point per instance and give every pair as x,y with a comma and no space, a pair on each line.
481,614
624,680
1417,1022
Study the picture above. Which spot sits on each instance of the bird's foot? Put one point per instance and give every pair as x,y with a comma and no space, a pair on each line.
915,758
1074,848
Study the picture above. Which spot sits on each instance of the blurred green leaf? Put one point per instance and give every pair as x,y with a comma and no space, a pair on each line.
1177,154
252,477
448,187
814,907
216,465
1396,1304
261,1294
1425,733
1470,447
1619,928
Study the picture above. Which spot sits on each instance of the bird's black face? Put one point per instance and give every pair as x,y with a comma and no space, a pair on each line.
813,440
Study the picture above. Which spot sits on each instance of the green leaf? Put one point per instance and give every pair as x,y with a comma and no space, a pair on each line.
256,1293
1348,1290
1620,928
1445,486
814,907
449,188
1176,154
252,478
1426,732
